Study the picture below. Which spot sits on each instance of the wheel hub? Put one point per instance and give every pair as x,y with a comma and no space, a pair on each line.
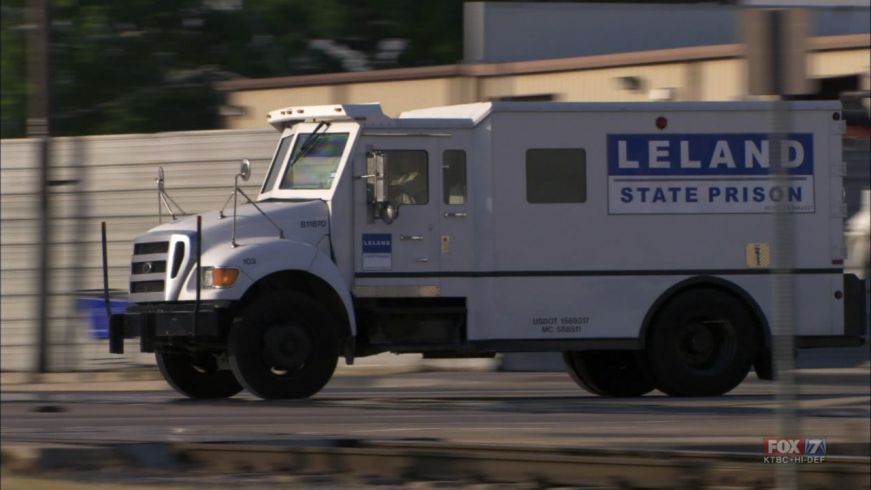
698,345
701,340
286,347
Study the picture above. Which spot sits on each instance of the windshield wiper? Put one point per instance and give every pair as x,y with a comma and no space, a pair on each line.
310,142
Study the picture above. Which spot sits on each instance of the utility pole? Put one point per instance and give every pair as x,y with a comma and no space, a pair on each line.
39,129
775,43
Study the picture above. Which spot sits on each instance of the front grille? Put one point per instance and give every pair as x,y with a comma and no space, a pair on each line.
150,267
146,287
150,248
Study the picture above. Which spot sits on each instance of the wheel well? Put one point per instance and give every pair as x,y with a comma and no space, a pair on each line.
763,330
307,283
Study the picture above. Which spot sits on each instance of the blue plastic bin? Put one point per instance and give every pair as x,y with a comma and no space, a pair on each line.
95,308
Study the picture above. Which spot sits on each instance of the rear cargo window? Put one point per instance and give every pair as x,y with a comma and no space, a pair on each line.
556,175
454,176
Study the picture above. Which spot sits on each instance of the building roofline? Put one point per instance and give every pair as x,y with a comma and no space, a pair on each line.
660,56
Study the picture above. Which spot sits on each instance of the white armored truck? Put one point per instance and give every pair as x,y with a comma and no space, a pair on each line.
634,238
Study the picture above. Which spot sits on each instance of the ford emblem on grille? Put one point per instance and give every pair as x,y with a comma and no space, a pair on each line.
146,267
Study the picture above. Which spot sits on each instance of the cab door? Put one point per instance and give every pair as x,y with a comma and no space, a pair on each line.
404,250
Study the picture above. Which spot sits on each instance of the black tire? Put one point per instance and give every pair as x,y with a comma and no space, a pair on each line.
283,345
196,378
702,343
618,373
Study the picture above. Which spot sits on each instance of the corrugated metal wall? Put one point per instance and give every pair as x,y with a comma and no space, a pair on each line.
103,178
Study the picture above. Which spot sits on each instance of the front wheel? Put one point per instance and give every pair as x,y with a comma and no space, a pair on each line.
196,377
702,344
619,373
283,345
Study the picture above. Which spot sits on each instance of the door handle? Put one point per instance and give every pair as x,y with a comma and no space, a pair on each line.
415,238
461,214
422,259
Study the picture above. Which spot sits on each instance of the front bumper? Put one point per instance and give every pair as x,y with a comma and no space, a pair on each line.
158,321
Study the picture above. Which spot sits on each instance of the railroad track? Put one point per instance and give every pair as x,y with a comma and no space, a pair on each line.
412,461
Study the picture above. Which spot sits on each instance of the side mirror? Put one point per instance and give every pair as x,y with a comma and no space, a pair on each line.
245,170
388,212
375,166
159,180
376,188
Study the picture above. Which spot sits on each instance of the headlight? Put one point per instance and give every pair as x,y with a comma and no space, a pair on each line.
219,277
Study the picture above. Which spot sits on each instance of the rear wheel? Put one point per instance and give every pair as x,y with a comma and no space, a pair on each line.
703,343
609,372
196,377
283,345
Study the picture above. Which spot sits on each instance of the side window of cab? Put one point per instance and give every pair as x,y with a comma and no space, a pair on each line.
407,176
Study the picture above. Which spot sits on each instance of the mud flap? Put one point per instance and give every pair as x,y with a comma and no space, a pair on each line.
764,364
116,334
855,321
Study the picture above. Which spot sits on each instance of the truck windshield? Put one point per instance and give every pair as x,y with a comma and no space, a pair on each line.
316,168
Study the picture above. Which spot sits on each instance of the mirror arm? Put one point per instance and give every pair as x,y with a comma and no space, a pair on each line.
280,231
227,201
234,196
235,193
164,199
245,173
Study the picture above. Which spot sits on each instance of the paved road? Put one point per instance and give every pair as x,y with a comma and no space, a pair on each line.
480,407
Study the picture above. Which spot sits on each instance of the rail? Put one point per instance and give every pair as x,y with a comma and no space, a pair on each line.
439,461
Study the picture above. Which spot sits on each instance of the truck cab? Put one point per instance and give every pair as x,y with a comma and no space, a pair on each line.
470,230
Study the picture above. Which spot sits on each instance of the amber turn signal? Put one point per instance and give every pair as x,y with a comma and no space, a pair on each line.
219,277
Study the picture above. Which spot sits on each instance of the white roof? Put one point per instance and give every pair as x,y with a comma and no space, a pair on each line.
480,110
465,115
476,112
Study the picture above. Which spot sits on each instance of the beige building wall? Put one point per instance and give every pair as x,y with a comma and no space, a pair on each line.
587,85
401,95
834,63
394,96
256,104
723,80
704,73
